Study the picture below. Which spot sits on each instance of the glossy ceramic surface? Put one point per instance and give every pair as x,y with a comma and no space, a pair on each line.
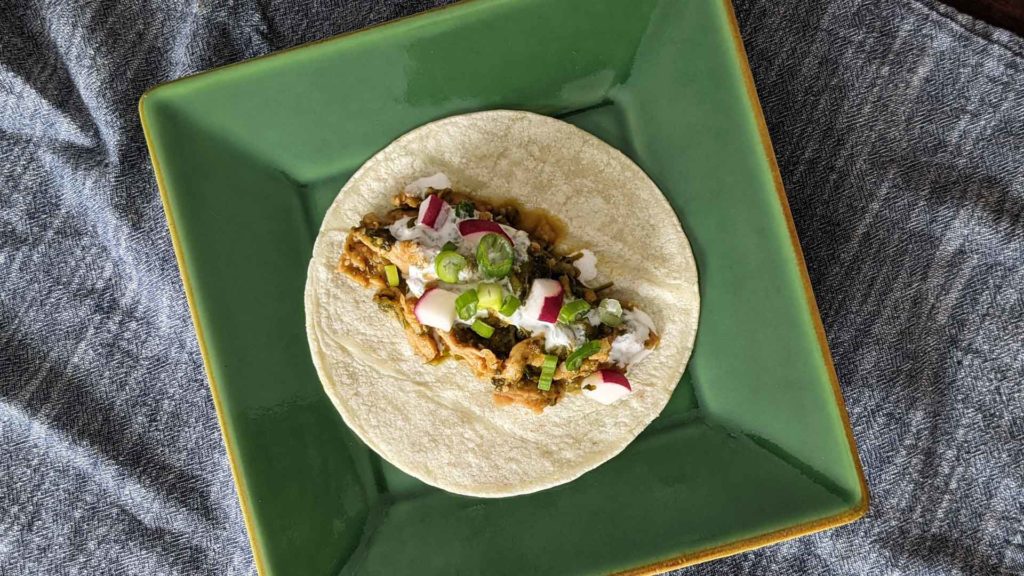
753,447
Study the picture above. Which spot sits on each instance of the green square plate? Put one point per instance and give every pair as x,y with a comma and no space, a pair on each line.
753,448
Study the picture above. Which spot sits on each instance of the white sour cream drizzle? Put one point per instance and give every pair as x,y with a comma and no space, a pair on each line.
587,265
438,181
628,347
555,335
426,236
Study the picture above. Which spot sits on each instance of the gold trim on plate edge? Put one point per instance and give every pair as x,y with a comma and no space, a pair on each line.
179,254
680,561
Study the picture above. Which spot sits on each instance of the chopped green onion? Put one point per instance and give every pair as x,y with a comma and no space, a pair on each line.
391,271
448,264
465,209
510,305
449,246
571,311
547,372
465,304
494,255
482,328
490,295
588,349
610,311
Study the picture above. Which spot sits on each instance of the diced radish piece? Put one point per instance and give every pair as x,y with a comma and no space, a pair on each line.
436,308
433,212
606,386
544,301
473,230
436,182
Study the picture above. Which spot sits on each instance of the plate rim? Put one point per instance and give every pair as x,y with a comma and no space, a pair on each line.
847,516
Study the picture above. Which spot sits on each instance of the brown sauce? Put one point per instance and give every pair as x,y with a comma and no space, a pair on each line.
537,222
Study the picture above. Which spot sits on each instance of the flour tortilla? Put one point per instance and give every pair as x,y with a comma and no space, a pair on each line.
439,423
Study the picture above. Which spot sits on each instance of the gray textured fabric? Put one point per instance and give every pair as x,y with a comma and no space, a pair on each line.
899,131
899,128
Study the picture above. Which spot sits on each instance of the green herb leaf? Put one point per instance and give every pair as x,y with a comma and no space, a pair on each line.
610,311
588,349
482,328
547,372
448,264
494,255
509,305
465,209
465,304
571,311
490,295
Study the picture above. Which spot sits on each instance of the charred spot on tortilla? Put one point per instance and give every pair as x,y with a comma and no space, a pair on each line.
488,284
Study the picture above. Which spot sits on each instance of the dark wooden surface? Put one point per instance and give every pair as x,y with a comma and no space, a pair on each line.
1008,14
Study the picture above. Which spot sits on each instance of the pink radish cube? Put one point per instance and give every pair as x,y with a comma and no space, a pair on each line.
436,308
433,212
544,301
606,386
473,230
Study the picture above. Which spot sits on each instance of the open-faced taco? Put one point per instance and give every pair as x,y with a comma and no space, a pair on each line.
498,302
